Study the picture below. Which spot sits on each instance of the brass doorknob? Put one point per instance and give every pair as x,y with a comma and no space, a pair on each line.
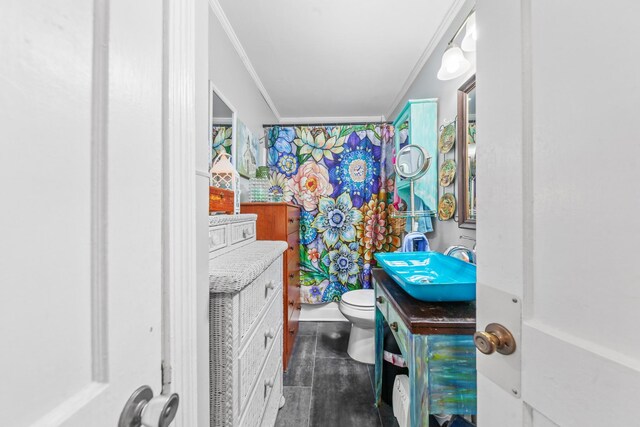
495,338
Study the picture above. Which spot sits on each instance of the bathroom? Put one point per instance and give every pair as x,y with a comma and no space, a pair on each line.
328,191
330,167
264,213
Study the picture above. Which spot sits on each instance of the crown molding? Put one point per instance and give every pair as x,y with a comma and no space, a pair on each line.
226,26
331,119
426,54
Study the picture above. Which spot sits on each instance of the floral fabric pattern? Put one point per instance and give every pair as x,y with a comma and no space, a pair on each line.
340,176
337,219
279,185
221,139
309,184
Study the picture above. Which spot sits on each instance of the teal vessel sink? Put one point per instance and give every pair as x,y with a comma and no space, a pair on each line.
431,276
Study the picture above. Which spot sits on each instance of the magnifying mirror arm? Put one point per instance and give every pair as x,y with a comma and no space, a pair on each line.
414,220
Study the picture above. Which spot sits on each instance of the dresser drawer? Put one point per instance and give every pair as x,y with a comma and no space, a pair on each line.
293,300
293,278
243,231
293,252
269,380
273,401
218,238
256,296
266,335
293,220
382,301
399,329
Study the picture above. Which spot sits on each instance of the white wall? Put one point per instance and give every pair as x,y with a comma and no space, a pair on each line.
224,67
228,73
427,85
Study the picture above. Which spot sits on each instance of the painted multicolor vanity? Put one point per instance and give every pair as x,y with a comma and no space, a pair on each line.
436,340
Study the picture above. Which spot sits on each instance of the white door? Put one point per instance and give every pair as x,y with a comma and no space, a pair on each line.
558,90
80,172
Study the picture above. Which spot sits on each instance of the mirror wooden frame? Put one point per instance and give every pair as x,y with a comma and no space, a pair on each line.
463,173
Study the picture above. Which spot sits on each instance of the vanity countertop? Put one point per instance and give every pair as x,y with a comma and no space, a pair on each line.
426,318
230,219
234,270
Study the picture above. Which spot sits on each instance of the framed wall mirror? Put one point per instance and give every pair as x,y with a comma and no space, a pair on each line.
222,125
467,154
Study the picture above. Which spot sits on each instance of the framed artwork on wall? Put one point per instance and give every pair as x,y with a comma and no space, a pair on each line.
246,151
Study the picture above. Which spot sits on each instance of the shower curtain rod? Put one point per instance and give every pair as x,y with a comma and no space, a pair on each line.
323,124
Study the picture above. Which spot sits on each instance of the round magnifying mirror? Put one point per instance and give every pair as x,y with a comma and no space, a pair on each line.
412,162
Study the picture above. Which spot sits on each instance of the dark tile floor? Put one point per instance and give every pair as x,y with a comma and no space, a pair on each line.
324,387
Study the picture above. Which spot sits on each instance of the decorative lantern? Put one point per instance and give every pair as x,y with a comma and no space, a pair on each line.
224,176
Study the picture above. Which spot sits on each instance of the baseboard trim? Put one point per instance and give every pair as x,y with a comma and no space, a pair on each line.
329,312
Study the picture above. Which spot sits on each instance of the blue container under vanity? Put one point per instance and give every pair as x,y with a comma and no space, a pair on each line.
431,276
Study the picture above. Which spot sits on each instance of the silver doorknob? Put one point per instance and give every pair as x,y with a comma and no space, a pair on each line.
144,410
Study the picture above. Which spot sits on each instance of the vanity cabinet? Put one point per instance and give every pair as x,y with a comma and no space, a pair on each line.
436,340
281,221
417,124
245,324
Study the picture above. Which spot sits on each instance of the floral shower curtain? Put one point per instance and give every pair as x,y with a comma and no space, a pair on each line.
342,179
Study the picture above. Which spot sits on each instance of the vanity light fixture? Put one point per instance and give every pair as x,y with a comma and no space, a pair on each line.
454,63
471,35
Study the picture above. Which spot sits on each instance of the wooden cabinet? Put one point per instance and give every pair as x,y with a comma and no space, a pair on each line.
436,341
281,221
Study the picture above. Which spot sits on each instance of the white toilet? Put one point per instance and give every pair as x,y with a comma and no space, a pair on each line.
359,308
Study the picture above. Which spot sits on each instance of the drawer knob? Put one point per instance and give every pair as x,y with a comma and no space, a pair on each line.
292,331
380,300
268,383
291,276
291,303
290,220
291,248
270,284
394,326
270,333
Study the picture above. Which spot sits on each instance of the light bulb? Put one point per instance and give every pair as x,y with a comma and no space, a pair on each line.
454,64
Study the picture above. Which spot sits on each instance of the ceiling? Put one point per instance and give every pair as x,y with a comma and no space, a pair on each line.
334,60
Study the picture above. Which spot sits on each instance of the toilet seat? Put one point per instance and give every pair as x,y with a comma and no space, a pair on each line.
361,299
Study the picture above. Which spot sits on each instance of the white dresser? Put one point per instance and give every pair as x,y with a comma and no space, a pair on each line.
245,318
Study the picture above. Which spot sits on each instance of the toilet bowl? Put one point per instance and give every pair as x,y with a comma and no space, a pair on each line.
359,308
